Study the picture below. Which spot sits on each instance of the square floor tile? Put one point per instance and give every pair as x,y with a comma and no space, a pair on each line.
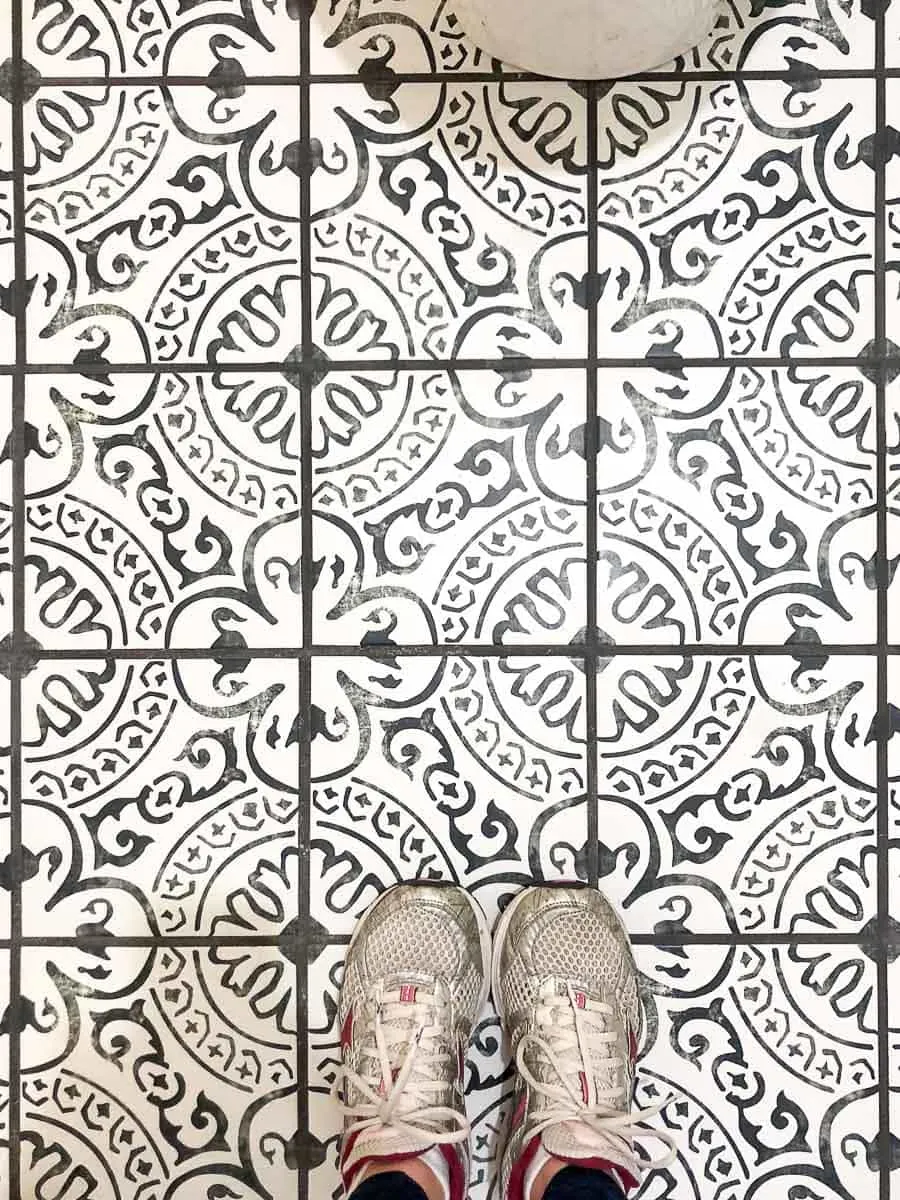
163,510
158,1071
180,242
736,505
737,794
733,222
450,508
161,798
449,222
471,770
764,1056
222,43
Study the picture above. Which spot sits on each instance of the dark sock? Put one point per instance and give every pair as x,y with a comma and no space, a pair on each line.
583,1183
389,1185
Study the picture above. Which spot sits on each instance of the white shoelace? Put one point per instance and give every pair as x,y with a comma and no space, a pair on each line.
566,1040
396,1025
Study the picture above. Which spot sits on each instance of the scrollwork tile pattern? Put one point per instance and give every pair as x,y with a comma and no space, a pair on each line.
410,467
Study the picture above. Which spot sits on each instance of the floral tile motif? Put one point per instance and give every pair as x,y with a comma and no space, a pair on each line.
449,222
158,1071
736,219
471,770
222,43
160,799
737,505
765,1060
450,507
163,510
378,40
738,795
184,231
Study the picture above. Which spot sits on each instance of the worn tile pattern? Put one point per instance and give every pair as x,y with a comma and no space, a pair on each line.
412,468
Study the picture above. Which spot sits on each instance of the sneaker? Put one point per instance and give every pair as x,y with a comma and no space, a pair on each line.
415,982
565,986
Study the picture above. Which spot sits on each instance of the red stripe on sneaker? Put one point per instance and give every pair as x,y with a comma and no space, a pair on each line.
580,1000
519,1113
517,1175
408,994
347,1028
458,1181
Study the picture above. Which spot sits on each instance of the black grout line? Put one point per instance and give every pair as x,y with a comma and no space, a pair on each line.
592,756
570,650
304,666
161,941
18,601
498,364
15,936
374,76
882,576
304,744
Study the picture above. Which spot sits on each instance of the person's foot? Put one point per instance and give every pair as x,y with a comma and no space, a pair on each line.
565,987
415,981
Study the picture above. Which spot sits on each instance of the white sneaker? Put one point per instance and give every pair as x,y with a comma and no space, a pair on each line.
565,986
415,982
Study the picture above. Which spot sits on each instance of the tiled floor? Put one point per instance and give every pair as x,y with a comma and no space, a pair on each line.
412,468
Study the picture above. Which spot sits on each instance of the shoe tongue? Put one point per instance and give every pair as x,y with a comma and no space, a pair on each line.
410,988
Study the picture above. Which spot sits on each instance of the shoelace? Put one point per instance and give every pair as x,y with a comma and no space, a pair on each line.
612,1128
412,1024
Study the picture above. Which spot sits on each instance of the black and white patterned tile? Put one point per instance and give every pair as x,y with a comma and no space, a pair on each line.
180,242
739,795
450,222
160,799
736,219
764,1057
737,505
163,510
466,769
158,1071
450,507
